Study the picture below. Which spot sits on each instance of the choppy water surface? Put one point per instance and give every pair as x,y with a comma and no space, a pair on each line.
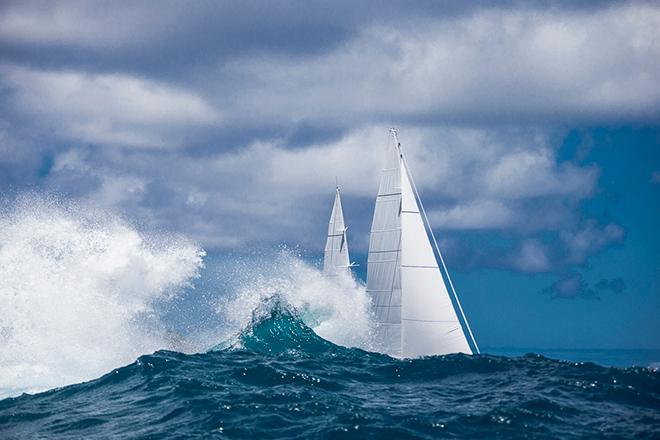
279,380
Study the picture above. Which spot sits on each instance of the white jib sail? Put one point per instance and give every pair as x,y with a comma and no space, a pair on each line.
414,312
336,259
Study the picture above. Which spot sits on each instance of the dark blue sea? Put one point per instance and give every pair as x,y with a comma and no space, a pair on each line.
280,380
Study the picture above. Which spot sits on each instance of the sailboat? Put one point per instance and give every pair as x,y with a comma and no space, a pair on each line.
335,259
414,311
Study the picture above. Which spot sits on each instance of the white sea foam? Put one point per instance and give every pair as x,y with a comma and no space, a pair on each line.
336,308
79,287
77,292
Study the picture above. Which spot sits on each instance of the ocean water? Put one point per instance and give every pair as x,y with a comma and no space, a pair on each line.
278,379
110,332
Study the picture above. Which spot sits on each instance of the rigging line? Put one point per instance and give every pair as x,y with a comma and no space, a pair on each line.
435,242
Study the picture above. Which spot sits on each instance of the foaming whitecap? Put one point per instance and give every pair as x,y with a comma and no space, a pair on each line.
336,308
77,292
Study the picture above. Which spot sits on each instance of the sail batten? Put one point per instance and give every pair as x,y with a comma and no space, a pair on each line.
415,315
336,260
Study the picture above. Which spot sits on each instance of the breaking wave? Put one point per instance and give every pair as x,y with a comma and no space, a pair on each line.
78,292
84,291
336,308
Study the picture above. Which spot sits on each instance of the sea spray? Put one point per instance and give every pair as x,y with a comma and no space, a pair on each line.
78,289
336,308
84,291
277,328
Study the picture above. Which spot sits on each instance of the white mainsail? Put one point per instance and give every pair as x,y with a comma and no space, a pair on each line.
336,260
415,315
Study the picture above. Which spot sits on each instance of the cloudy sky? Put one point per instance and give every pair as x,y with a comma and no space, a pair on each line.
532,130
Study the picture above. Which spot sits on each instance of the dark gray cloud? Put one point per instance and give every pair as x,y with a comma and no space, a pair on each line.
522,251
269,67
229,121
615,285
655,177
174,37
571,287
574,286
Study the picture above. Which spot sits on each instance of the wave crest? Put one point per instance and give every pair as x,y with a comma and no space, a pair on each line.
78,290
277,328
337,309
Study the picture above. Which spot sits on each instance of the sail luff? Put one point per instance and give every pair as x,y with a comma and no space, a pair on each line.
383,264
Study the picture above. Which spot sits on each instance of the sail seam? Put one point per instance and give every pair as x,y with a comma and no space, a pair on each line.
418,267
389,194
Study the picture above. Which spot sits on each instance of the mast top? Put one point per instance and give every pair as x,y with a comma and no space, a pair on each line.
395,136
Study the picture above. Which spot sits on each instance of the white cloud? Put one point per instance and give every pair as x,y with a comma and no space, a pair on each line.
531,257
485,65
494,65
74,23
535,173
264,193
493,179
590,238
490,65
269,193
110,188
510,74
477,214
112,109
